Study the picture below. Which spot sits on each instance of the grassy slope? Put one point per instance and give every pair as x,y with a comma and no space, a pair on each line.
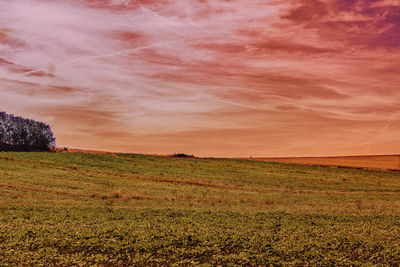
71,208
374,162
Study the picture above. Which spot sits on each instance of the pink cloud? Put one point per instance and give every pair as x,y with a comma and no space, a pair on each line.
206,77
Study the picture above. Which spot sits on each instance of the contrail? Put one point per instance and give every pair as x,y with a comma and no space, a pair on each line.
126,51
118,53
106,55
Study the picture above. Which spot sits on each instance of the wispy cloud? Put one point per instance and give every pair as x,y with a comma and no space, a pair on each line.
206,77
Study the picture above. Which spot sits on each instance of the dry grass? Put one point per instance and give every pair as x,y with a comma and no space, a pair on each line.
383,162
131,181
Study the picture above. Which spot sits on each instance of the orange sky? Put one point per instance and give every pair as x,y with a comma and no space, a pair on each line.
206,77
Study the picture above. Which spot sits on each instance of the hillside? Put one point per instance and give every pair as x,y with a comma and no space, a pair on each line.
377,162
80,208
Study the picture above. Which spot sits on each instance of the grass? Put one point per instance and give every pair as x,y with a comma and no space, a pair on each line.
122,209
372,162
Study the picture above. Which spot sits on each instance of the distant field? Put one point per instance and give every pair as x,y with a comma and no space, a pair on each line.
124,209
385,162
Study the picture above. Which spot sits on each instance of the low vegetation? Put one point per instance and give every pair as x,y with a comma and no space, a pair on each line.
371,162
182,155
122,209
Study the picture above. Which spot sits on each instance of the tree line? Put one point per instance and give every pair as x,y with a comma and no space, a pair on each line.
19,134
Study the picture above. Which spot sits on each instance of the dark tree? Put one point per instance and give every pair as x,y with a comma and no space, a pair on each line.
182,155
19,134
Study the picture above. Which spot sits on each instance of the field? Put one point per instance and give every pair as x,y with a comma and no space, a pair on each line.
126,209
379,162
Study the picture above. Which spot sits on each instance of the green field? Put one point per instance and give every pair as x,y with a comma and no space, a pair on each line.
123,209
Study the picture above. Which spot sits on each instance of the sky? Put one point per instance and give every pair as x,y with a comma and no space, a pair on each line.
223,78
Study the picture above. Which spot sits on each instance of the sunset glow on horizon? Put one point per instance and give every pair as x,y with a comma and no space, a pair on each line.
206,77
